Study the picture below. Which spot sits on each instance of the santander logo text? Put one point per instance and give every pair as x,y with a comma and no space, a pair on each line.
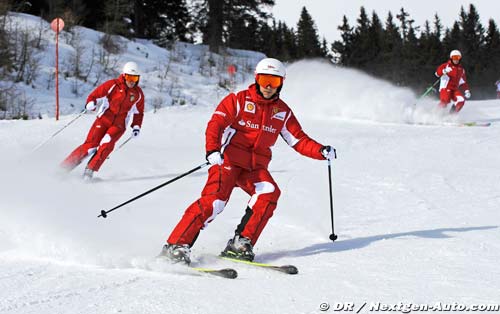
256,126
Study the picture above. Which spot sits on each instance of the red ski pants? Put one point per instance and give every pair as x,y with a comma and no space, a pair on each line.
447,95
102,137
220,183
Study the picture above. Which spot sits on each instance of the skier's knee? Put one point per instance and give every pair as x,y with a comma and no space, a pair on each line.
265,191
106,139
208,207
217,208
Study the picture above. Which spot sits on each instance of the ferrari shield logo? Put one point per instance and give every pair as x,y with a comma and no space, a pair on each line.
132,97
249,107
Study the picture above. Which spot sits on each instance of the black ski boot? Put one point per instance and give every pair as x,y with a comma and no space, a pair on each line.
176,253
239,248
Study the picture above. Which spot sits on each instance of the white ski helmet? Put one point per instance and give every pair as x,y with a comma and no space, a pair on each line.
131,68
270,66
455,53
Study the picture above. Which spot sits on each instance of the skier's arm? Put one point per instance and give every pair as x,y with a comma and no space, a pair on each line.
101,91
463,83
223,116
139,113
443,69
293,134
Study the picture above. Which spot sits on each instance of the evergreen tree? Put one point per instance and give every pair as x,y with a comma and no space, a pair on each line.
74,14
324,48
492,42
167,21
472,33
241,32
243,19
430,45
391,50
491,57
55,9
117,15
438,27
307,37
278,41
217,20
425,46
472,41
409,53
452,39
268,39
343,49
289,49
38,8
47,9
411,64
361,41
431,53
94,15
436,45
403,17
180,21
363,22
375,35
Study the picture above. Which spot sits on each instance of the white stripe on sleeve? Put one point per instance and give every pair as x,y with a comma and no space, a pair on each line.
287,135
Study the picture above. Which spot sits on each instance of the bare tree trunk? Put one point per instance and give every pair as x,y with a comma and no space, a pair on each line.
215,20
138,19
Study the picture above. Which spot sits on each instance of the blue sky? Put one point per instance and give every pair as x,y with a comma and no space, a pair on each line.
328,13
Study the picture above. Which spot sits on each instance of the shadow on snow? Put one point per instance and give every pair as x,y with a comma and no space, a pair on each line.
357,243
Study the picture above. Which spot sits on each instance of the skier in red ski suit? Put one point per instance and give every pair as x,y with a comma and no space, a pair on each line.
239,137
121,98
453,78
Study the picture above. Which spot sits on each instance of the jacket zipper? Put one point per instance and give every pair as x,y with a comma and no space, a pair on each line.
261,130
121,104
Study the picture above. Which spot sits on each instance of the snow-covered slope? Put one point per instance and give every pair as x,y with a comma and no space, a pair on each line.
416,210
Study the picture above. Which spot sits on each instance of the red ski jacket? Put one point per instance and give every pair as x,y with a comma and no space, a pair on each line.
454,79
246,125
119,101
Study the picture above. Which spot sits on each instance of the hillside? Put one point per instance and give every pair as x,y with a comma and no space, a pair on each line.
185,74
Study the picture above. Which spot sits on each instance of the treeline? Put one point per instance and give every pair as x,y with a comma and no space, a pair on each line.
395,49
408,55
240,24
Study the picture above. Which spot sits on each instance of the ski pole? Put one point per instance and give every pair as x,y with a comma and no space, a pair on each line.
333,236
429,89
104,213
122,144
59,131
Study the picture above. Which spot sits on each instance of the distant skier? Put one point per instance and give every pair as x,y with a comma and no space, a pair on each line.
119,99
497,84
239,137
453,79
